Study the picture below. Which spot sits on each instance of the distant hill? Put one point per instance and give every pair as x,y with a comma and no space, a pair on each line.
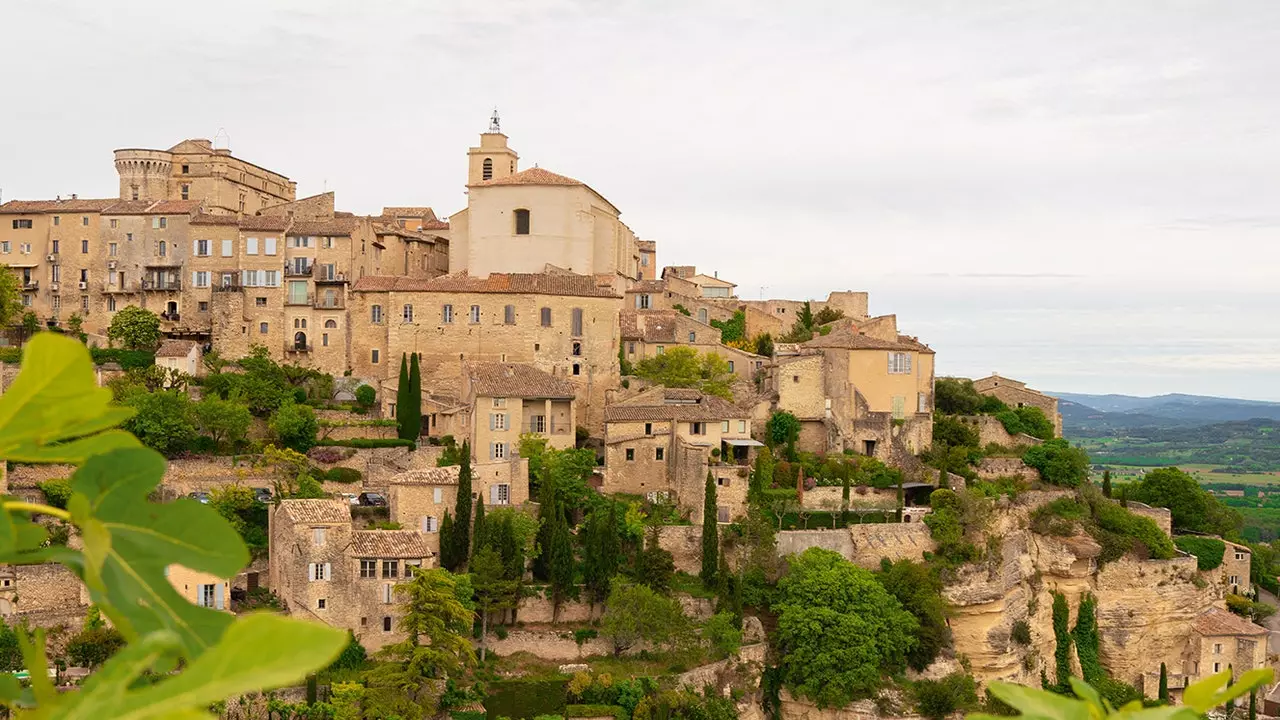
1172,410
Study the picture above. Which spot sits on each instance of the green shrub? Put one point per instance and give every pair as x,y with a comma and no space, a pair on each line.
1021,632
591,711
1058,462
466,715
126,359
57,491
526,697
937,699
366,443
1113,518
1208,551
338,474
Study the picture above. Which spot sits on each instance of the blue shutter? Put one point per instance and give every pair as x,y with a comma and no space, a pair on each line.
491,421
491,447
218,599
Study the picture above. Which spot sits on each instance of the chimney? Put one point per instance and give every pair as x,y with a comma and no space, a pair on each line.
73,196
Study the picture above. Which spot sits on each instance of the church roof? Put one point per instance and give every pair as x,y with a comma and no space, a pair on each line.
532,176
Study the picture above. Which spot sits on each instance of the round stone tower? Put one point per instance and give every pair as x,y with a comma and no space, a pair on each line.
144,174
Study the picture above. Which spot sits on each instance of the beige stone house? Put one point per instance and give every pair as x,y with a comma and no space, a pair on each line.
195,169
1016,394
776,317
1236,565
495,405
661,295
327,571
184,356
871,392
420,498
1219,640
200,588
646,333
663,441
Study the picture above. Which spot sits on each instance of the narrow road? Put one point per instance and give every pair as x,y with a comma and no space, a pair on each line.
1271,623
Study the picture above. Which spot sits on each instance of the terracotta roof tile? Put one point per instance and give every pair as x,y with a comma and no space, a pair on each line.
648,286
207,219
31,207
647,245
447,475
317,511
265,222
420,213
337,226
175,348
514,283
516,380
1216,622
129,207
174,207
389,544
532,176
684,404
655,326
849,339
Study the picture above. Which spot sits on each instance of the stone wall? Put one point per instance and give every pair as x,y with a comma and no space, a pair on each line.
547,644
860,496
1160,516
863,545
797,709
991,430
996,467
684,542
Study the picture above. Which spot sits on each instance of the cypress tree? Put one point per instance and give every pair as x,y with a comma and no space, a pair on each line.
448,544
844,500
478,530
560,561
547,502
600,551
1106,483
415,398
710,539
402,400
1062,647
1163,695
462,508
1253,706
762,477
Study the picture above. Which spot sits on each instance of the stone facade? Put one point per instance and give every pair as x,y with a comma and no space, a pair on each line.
195,169
648,333
863,545
1016,394
419,499
1236,563
45,595
200,588
991,430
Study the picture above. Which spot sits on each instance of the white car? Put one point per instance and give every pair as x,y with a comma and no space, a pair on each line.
351,498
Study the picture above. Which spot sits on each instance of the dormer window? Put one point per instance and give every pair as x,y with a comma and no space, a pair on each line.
522,222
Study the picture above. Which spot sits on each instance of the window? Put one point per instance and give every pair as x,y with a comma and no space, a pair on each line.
327,243
486,169
631,348
319,571
724,426
330,324
474,316
390,568
693,337
899,363
260,302
1240,554
200,278
84,247
228,247
659,453
499,402
742,426
498,451
203,306
500,494
497,421
446,314
186,169
251,246
5,247
57,221
538,423
922,402
1217,667
206,593
648,428
375,314
661,349
407,313
546,317
437,495
577,348
269,246
134,188
162,248
642,302
722,514
386,623
697,428
186,191
430,524
128,237
373,356
522,222
299,323
722,481
159,223
21,224
115,224
319,601
56,245
576,369
631,454
1233,579
262,328
84,275
899,407
576,322
57,303
202,248
111,303
317,536
509,315
111,249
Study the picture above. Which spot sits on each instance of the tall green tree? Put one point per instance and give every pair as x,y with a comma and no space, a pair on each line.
783,429
919,589
448,543
762,474
135,328
494,590
415,399
1106,483
601,549
403,393
1163,695
560,565
635,613
710,532
462,508
477,528
10,295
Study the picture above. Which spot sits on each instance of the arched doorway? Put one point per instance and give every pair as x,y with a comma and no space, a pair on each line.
300,341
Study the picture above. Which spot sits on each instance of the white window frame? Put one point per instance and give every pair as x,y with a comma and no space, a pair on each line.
407,313
251,246
446,313
500,494
899,363
228,248
375,314
269,246
473,315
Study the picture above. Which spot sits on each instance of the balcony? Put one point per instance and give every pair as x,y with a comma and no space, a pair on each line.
297,348
30,284
295,271
162,284
336,278
308,299
170,317
163,262
121,288
330,303
228,287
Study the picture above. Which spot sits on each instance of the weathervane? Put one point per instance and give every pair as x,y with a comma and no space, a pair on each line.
494,126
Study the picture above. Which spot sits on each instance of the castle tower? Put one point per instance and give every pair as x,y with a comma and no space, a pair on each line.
144,174
492,159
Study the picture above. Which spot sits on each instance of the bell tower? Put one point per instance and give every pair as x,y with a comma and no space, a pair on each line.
492,159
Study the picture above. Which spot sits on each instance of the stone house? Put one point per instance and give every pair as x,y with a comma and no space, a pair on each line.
420,498
663,442
660,295
686,280
1236,566
184,356
496,404
327,571
647,333
200,588
1016,394
873,388
565,325
648,260
776,317
45,595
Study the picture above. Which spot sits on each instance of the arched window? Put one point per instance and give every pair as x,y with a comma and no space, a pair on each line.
486,173
522,222
299,341
164,249
330,324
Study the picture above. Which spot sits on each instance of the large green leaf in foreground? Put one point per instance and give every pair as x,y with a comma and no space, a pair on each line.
129,542
54,411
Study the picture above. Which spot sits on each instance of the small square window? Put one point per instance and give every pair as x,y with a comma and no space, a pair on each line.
631,454
204,306
386,623
260,302
320,604
263,328
659,453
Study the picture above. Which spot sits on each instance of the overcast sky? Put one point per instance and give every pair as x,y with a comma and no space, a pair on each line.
1083,195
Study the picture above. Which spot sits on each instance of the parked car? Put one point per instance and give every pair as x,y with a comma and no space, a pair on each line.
352,498
372,499
262,495
199,495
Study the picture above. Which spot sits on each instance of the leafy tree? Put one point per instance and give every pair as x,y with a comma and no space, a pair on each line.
366,396
413,420
10,652
241,508
437,625
95,643
956,396
803,328
838,629
685,367
494,589
710,536
1191,506
1058,462
827,315
722,635
295,426
135,328
938,699
764,344
162,420
783,428
950,432
732,329
11,297
75,324
263,384
30,322
654,566
636,612
601,548
919,589
222,420
352,657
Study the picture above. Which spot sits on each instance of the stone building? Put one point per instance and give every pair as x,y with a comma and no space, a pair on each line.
663,441
872,392
196,170
420,498
325,570
181,355
1016,394
674,295
647,333
45,595
777,317
200,588
497,403
565,325
1236,566
1222,639
534,220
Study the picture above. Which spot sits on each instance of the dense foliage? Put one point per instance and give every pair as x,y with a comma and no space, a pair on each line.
1058,462
134,328
1208,550
684,367
1191,506
919,589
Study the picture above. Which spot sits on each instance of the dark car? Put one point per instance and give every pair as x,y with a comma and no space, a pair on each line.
199,495
372,499
262,495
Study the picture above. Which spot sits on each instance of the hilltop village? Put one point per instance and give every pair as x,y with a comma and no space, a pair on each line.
654,497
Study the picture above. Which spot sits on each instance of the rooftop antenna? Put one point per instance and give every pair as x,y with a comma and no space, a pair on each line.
494,123
222,140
